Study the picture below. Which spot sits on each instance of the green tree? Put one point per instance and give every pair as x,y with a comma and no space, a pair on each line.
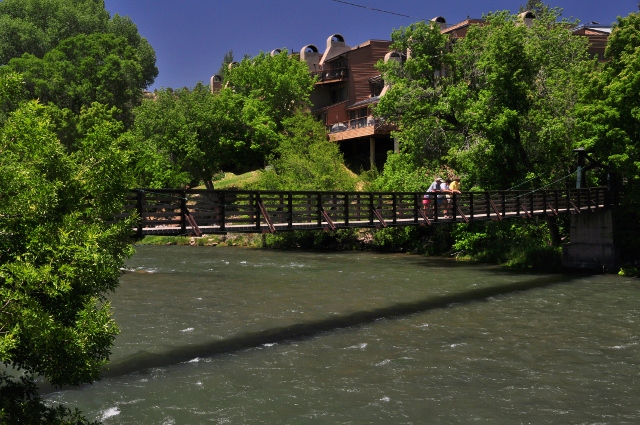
59,254
11,92
608,118
84,69
495,105
187,136
306,160
37,26
72,54
609,111
281,83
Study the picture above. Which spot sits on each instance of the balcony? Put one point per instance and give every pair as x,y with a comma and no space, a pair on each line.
352,124
331,74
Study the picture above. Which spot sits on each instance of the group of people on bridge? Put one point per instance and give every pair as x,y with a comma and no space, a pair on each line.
441,191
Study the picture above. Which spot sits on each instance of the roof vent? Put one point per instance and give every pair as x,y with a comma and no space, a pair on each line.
215,84
310,55
396,56
335,46
440,21
527,17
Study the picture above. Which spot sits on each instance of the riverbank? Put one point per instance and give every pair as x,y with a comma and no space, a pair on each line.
436,241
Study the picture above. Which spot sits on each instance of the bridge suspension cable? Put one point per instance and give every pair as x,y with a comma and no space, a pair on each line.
545,186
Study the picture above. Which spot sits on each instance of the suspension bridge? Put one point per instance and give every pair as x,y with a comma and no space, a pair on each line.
172,212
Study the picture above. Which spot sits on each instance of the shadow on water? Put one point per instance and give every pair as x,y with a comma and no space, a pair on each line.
144,360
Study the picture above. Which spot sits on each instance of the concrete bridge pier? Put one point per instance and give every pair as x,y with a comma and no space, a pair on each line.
591,242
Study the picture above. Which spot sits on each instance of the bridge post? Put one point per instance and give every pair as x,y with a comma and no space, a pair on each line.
139,207
183,212
223,211
591,242
290,210
346,209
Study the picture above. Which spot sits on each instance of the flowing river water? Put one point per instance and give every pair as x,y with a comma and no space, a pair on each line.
249,336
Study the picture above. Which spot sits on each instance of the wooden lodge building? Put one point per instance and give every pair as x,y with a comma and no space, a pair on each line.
348,84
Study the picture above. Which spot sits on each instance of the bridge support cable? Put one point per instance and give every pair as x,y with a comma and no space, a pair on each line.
378,215
194,226
553,210
328,220
422,214
464,217
270,227
495,209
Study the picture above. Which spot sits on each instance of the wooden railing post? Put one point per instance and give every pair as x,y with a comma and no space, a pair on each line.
139,207
290,210
532,206
223,210
454,206
394,205
488,196
319,208
544,202
256,210
371,208
346,209
470,205
504,205
183,212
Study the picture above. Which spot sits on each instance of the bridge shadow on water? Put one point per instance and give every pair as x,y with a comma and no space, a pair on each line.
145,361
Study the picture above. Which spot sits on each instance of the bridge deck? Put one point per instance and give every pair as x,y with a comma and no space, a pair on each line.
183,212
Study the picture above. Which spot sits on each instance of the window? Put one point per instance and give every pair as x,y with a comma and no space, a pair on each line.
338,94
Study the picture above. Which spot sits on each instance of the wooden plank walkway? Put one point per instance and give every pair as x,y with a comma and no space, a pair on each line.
198,211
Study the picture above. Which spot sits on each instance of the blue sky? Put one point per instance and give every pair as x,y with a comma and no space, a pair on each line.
190,37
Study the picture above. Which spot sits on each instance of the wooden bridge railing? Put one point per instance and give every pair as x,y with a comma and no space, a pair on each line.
196,211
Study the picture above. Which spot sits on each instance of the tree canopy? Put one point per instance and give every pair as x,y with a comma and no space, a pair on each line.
494,106
74,54
187,135
609,111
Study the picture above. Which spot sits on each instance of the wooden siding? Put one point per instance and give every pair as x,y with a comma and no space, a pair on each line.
362,61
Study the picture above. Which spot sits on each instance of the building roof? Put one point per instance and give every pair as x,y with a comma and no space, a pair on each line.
594,29
365,102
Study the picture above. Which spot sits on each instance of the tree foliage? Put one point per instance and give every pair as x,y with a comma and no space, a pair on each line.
59,256
37,26
495,105
609,111
187,135
306,160
73,54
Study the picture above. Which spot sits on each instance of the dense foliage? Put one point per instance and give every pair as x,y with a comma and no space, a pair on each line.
59,255
306,160
186,136
74,54
496,107
609,124
64,162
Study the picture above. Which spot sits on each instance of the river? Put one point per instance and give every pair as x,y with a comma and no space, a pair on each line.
250,336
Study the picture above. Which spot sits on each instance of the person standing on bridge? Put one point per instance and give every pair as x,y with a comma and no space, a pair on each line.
430,196
445,197
454,187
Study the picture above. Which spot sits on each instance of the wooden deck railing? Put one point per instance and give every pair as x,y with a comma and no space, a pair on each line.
195,211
